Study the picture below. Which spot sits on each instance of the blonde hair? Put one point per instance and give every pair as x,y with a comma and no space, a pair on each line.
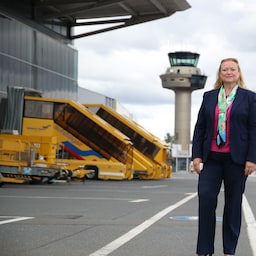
240,80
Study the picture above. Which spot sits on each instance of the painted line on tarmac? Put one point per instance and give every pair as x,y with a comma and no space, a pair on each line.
251,224
157,186
139,200
109,248
13,219
76,198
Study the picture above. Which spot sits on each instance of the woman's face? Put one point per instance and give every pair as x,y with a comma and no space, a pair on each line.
229,72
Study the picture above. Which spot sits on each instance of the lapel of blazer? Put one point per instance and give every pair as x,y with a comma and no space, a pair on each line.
238,100
212,104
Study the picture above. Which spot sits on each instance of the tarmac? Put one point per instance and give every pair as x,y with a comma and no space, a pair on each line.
117,218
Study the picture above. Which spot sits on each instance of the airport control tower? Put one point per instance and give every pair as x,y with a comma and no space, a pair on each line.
183,77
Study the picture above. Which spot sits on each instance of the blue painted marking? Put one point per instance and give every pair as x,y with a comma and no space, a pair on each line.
190,218
81,152
26,170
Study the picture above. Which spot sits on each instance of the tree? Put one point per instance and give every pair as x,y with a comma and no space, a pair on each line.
168,138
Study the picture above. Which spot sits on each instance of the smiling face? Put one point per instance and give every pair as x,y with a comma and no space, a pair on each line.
229,72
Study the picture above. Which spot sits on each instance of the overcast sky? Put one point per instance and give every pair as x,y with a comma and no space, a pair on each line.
125,64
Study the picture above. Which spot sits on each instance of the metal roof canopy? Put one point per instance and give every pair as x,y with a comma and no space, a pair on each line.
117,13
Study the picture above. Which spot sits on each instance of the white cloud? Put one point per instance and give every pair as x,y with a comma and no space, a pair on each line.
126,64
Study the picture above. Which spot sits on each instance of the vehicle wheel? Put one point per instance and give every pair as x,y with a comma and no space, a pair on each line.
1,177
44,180
94,172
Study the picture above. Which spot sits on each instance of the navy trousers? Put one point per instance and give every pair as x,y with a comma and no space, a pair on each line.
219,168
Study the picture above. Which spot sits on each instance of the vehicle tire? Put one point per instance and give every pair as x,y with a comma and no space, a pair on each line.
1,183
44,180
94,174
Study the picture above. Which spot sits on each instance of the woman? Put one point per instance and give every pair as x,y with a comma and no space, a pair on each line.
224,142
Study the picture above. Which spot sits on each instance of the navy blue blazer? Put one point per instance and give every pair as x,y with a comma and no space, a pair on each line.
242,126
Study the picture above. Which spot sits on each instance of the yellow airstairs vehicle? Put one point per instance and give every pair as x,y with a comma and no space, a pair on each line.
59,138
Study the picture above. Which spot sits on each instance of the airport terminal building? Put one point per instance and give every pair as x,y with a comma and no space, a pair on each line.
35,56
36,42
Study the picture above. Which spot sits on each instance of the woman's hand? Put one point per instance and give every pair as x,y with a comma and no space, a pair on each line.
197,165
250,167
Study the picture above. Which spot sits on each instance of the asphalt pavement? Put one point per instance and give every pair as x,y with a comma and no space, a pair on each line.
117,218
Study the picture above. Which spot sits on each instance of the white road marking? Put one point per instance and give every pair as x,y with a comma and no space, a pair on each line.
157,186
109,248
13,219
251,224
74,198
138,200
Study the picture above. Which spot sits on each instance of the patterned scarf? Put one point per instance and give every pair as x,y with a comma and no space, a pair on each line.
223,103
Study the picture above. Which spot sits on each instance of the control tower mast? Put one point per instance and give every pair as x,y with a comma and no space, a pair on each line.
183,77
